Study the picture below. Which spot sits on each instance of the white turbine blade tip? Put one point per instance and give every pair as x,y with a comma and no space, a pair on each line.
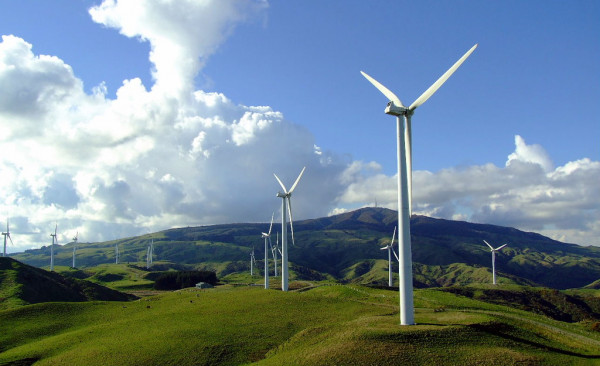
297,180
385,91
488,244
280,183
433,88
502,246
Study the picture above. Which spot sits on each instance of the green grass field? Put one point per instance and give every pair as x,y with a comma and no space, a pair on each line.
325,325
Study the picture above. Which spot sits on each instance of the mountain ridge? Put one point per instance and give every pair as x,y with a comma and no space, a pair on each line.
332,245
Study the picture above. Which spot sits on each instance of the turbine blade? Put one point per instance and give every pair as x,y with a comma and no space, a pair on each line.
500,247
393,236
281,184
291,219
488,244
8,234
270,227
297,180
433,88
385,91
395,255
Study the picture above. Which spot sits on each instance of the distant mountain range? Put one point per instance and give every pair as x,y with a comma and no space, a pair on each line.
346,247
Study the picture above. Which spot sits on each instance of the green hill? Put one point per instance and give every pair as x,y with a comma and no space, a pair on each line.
21,284
445,252
325,325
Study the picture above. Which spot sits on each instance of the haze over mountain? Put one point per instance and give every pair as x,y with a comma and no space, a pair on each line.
347,247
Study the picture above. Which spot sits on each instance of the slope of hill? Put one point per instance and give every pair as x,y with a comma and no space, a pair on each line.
335,245
21,284
326,325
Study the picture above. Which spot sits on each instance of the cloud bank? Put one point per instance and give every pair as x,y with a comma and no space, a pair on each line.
169,155
527,193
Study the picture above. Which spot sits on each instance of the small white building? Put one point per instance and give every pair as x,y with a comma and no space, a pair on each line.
203,285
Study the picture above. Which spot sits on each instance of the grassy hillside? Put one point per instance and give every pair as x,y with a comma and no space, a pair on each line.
444,252
21,284
326,325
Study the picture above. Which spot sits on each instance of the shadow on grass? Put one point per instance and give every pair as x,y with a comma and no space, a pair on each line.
22,362
496,330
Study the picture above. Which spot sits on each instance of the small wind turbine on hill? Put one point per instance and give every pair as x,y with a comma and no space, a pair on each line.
52,248
274,250
286,207
75,247
116,253
267,237
404,152
390,249
494,259
252,262
6,235
149,254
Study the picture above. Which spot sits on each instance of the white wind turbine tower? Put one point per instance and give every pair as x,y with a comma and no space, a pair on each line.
494,258
252,262
404,151
52,248
286,207
75,247
267,237
149,254
6,235
274,250
390,249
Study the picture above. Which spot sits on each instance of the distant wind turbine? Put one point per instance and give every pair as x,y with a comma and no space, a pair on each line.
390,249
116,253
404,152
52,248
252,262
6,235
286,207
494,259
274,250
267,237
75,247
149,254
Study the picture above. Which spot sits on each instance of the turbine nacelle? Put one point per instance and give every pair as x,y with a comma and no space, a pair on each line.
394,110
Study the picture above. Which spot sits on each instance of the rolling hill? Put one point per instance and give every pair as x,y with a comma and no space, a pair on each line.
324,325
21,284
346,248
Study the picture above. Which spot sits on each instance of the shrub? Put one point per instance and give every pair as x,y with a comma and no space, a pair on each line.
182,279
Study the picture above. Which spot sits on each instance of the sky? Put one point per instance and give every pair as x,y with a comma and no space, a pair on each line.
119,118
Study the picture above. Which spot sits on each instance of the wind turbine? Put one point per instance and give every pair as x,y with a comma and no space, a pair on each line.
286,205
252,262
149,254
390,249
52,248
267,237
274,250
75,247
404,151
6,234
116,253
494,258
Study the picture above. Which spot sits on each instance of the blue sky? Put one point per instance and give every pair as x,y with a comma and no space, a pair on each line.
510,139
